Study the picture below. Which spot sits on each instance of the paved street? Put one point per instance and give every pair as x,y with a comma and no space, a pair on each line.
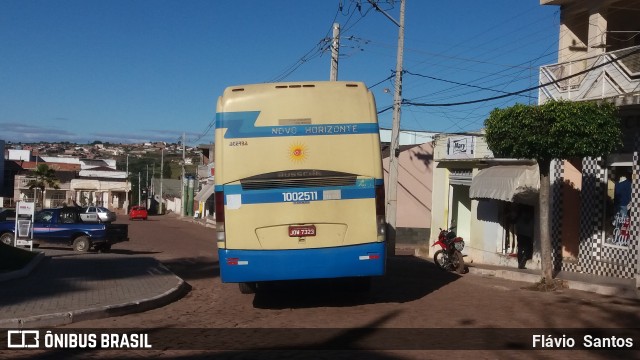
413,295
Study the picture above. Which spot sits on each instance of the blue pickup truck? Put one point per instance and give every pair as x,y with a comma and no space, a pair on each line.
65,226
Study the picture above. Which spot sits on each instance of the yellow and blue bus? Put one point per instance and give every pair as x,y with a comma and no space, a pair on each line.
299,191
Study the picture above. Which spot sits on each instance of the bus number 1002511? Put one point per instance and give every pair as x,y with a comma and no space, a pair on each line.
300,196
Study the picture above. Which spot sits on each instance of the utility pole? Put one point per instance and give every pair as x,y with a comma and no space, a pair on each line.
126,189
152,188
335,49
182,192
161,181
392,189
139,187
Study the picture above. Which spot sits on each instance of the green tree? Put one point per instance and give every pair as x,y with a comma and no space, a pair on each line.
554,130
166,170
43,177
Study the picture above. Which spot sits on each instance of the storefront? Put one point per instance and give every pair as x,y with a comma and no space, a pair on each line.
507,195
485,199
594,205
609,203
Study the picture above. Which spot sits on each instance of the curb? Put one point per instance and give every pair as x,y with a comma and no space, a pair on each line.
65,318
628,292
209,223
624,292
505,274
608,290
25,271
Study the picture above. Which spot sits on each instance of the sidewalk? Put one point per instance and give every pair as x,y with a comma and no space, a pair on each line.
61,287
602,285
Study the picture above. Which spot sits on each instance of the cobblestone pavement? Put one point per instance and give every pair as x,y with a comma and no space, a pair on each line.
413,295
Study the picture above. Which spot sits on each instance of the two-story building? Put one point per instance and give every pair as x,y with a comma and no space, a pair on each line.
598,60
83,181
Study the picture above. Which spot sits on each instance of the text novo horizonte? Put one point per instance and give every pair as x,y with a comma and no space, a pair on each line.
315,130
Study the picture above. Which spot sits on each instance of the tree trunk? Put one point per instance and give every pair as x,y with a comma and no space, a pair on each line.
545,236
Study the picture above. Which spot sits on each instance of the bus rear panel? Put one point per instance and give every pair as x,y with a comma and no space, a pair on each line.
299,188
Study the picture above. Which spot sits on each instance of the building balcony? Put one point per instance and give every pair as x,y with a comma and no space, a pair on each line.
22,182
613,75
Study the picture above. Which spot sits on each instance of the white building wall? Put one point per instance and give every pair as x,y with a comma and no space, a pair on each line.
445,199
17,155
103,174
62,160
174,205
407,137
439,201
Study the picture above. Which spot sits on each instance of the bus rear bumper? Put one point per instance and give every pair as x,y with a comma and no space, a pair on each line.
271,265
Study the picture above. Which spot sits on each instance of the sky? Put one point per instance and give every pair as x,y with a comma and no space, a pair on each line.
128,71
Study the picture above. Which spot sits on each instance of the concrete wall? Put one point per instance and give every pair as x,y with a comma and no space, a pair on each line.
415,179
571,188
17,155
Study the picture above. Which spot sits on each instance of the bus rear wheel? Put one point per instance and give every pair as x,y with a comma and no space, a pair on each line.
247,287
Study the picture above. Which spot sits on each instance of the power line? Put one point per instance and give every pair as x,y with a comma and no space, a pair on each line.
528,89
315,51
385,79
566,19
457,83
518,74
206,131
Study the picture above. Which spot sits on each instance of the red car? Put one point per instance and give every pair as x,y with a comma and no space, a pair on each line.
138,212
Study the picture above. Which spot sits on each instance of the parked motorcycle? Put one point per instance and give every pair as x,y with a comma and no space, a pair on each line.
449,257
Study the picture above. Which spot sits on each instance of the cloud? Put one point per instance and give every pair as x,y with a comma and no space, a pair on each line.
170,136
127,138
19,132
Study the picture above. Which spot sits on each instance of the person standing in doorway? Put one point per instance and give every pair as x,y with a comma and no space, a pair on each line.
622,193
524,232
621,201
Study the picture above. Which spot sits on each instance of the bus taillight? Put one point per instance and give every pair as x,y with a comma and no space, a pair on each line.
380,214
220,231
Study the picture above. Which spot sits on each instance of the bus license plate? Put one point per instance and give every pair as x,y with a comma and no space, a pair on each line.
303,230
